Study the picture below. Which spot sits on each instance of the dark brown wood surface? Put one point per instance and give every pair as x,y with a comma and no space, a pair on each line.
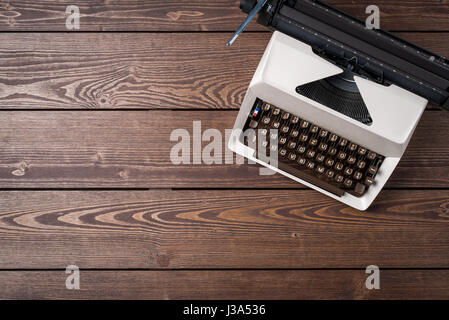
197,15
86,176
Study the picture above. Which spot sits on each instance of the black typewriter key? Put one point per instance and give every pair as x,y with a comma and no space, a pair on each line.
339,178
302,149
313,142
361,164
253,124
360,188
311,154
310,165
276,111
358,175
302,161
348,183
369,181
343,142
320,158
285,129
362,151
371,155
285,116
267,107
339,166
294,134
304,124
314,129
341,155
352,146
372,170
266,120
283,140
332,151
323,133
330,162
292,145
351,159
276,124
320,169
303,137
292,156
322,146
295,120
333,137
348,171
283,152
330,174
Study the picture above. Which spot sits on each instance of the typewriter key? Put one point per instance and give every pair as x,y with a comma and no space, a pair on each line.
332,151
330,162
320,169
352,146
362,151
276,124
372,170
358,175
323,133
302,161
285,129
314,129
360,188
294,134
283,152
282,140
333,137
295,120
253,124
352,160
341,155
266,120
322,146
339,166
320,158
276,111
292,156
371,155
330,173
304,124
369,181
348,183
267,107
361,164
303,137
313,142
339,178
343,142
311,153
302,149
348,171
285,116
310,165
292,145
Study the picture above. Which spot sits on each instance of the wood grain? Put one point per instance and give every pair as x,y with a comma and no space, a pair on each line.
140,71
196,15
131,149
221,229
218,285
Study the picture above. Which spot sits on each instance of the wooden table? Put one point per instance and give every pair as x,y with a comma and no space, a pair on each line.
87,180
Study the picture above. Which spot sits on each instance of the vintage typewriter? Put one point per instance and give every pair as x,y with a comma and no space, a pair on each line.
333,103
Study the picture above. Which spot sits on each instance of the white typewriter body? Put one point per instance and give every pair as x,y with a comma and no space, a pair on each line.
288,63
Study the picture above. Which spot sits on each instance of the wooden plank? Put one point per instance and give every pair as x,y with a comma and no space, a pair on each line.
145,71
196,15
225,285
221,229
131,149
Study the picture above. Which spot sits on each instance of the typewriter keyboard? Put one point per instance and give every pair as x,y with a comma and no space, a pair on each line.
314,154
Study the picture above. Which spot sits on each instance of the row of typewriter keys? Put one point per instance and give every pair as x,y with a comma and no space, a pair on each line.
321,153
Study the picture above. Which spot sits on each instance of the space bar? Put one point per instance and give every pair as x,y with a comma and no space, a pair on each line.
310,179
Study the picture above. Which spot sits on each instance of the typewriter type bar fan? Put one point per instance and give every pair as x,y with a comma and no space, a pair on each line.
336,103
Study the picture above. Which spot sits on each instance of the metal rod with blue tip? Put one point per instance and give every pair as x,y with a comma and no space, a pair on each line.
245,23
